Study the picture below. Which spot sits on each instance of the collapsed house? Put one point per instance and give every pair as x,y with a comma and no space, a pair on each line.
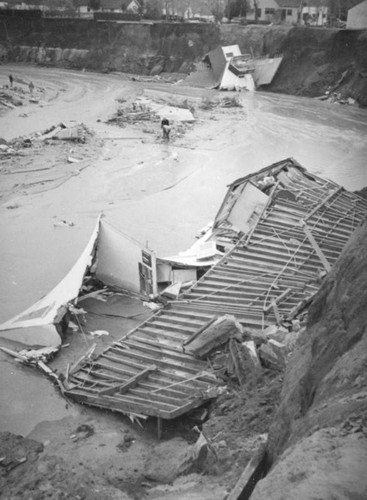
232,70
276,235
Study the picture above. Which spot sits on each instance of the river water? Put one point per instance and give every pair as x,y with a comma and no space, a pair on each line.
154,192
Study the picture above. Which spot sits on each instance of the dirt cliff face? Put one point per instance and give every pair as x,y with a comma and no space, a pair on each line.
106,46
318,440
315,60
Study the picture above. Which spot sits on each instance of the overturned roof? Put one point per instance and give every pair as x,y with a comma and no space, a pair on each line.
283,229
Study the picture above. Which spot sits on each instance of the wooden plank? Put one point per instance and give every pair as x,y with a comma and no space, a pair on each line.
154,348
82,360
324,201
204,327
125,386
171,375
316,247
122,406
156,380
151,384
278,299
160,361
276,313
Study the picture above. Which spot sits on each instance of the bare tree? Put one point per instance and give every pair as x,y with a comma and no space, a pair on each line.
216,7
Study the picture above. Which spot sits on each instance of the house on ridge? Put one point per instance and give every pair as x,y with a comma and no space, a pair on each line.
131,6
285,11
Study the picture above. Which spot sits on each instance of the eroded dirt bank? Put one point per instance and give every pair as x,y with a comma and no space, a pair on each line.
315,60
318,440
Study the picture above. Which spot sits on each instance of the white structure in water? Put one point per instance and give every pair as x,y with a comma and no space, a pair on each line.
235,71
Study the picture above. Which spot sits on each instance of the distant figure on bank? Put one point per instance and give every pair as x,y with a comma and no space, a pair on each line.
11,79
31,87
166,128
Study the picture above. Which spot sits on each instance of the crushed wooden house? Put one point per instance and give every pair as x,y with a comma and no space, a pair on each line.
276,235
281,230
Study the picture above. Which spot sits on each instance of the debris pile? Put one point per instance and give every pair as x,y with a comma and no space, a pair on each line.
238,353
13,96
227,102
154,110
336,98
6,150
75,133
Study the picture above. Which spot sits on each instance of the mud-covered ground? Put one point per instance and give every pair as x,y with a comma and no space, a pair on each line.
51,193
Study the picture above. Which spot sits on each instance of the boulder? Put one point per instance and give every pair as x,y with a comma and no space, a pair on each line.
269,358
216,334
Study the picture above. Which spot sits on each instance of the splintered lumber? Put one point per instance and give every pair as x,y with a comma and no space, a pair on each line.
276,313
300,306
250,348
246,364
124,387
254,471
238,361
14,354
216,334
278,299
82,360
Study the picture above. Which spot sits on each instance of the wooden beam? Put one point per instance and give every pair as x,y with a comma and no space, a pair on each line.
124,387
315,246
276,313
255,470
204,327
324,201
276,301
82,360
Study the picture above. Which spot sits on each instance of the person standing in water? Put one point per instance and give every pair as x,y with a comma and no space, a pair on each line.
166,128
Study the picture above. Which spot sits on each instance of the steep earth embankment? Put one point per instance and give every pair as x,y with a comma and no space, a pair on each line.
106,46
318,440
315,60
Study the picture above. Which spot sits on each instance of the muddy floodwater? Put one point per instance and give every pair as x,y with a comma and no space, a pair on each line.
154,192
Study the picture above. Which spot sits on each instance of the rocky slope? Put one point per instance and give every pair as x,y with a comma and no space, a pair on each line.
318,440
